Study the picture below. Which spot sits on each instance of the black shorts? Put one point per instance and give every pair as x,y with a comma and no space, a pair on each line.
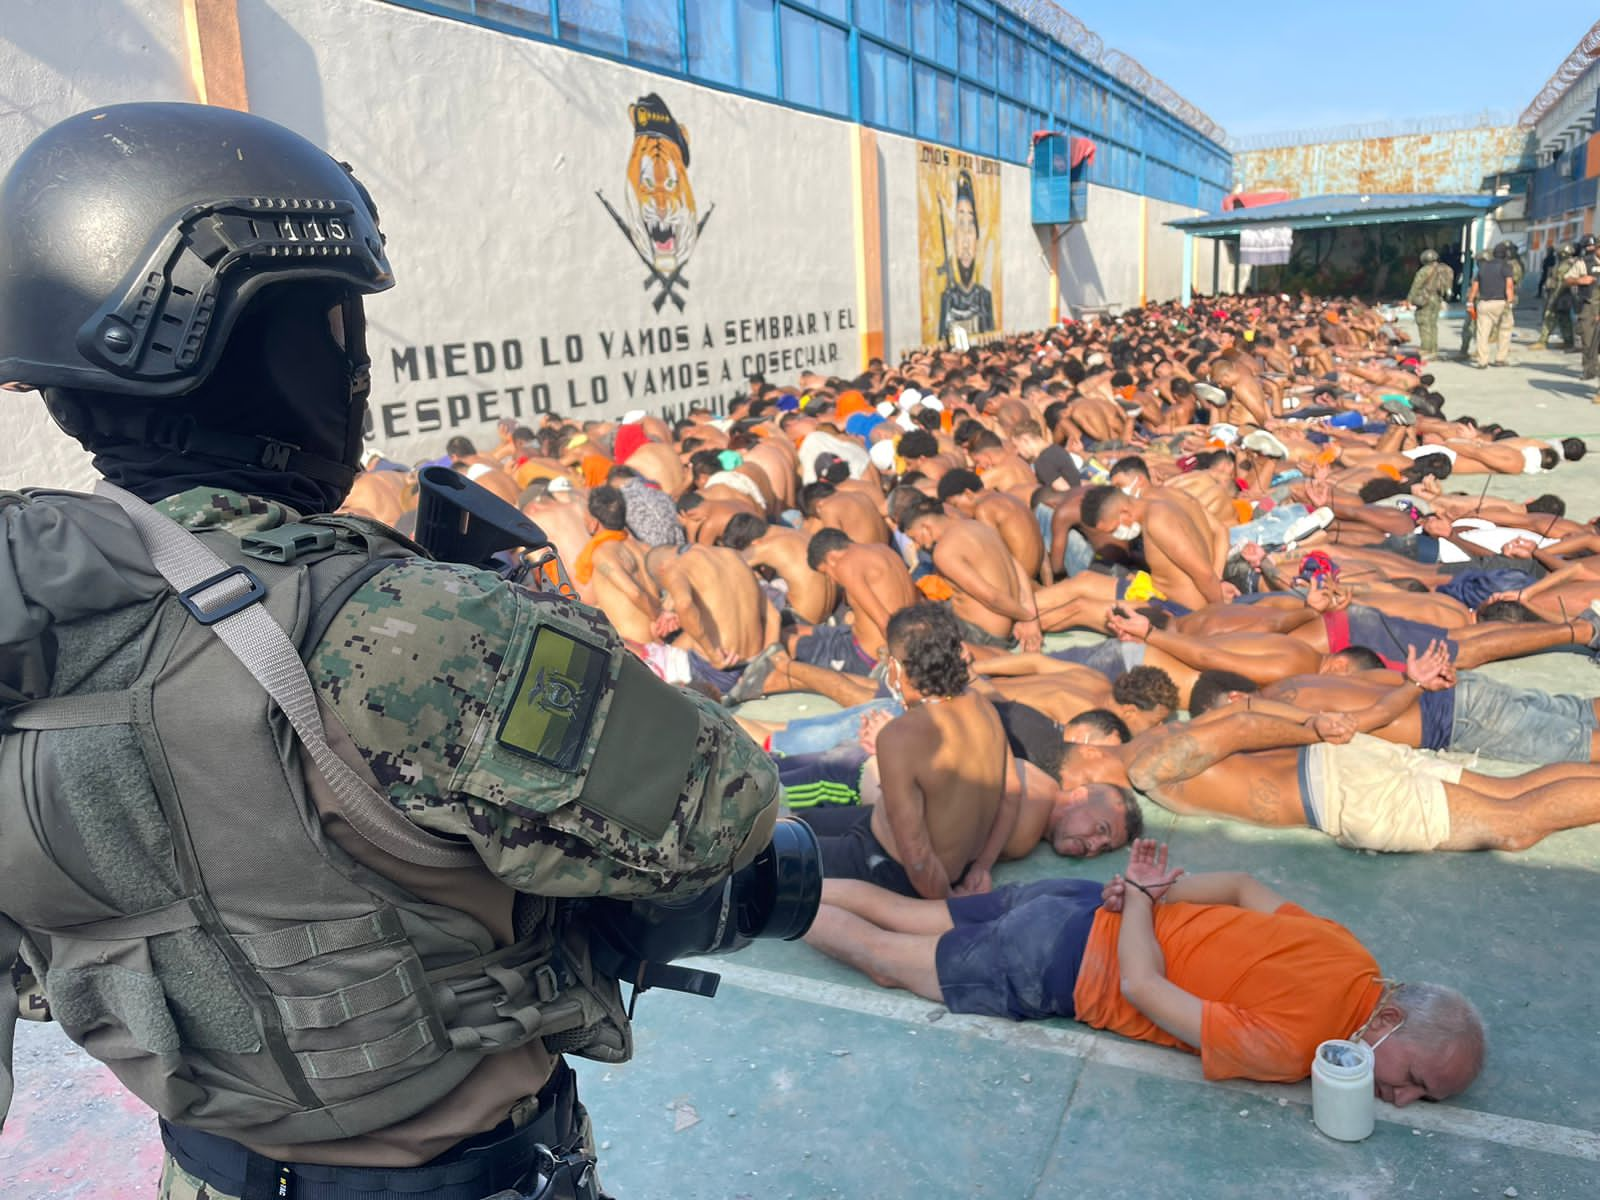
834,648
829,777
1016,951
849,849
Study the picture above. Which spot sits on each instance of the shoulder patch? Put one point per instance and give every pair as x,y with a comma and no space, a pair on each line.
562,682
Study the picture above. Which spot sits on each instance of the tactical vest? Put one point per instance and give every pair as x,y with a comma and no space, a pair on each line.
175,890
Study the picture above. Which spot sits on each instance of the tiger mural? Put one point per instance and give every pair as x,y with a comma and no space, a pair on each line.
659,199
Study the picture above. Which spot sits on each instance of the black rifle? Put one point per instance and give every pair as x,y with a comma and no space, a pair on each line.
460,521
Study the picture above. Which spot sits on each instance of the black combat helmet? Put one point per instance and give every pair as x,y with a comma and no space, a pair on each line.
184,283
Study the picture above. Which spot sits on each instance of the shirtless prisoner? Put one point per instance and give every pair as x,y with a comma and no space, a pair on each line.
993,598
1320,771
946,813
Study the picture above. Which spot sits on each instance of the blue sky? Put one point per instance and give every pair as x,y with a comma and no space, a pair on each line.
1264,66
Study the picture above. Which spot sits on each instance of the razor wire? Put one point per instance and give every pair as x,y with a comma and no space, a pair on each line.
1568,73
1077,37
1362,131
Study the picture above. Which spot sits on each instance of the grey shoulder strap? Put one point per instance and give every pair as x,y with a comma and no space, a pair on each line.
10,946
224,598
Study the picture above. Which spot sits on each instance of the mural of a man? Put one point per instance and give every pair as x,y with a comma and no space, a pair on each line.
966,303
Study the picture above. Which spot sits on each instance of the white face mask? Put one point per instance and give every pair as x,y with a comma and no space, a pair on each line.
1130,490
1126,533
893,684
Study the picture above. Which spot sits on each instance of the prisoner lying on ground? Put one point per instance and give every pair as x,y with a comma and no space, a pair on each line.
1218,965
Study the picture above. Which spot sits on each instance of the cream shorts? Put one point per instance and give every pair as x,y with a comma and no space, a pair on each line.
1370,794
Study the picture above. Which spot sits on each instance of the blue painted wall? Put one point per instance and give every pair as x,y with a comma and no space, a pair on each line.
967,73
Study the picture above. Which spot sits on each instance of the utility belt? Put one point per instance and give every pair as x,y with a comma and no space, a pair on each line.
542,1160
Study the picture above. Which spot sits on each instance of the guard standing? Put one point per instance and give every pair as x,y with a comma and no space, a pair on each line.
1493,295
1587,297
1558,299
1469,322
1519,269
1429,287
294,813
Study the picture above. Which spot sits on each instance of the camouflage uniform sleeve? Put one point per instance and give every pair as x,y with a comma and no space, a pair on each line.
568,782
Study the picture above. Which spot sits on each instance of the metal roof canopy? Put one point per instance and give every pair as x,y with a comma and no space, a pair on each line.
1329,212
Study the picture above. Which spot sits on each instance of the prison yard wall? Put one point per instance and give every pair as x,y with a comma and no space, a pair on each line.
1455,160
507,172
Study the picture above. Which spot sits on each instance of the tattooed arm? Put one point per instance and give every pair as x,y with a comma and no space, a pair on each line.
1171,754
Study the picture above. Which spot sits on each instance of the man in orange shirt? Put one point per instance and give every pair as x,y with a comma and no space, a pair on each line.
1218,965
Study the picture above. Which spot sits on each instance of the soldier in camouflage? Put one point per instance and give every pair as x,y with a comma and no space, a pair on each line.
492,717
1558,301
1519,269
1585,283
1429,287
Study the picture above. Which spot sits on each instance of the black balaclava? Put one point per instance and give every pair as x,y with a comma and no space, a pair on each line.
280,417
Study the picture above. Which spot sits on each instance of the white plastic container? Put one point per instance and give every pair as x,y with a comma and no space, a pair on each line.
1342,1101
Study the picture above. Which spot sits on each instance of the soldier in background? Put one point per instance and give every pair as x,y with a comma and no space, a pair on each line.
1519,269
1558,298
1469,322
1547,265
1587,297
1429,287
1451,257
1493,295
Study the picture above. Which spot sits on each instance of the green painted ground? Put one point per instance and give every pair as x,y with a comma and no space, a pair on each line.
809,1082
803,1080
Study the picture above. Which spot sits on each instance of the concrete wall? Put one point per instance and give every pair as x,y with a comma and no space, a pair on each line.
1455,161
487,155
518,294
1099,257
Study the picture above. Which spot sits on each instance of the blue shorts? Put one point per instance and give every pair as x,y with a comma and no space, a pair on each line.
1016,951
1167,606
1520,725
1389,636
1044,516
1111,658
1438,711
834,648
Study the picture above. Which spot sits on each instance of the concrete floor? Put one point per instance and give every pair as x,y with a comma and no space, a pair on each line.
803,1080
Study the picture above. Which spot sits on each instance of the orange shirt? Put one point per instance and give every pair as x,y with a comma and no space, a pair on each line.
595,468
526,471
1274,985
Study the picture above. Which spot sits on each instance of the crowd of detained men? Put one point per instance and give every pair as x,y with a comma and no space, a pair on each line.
1267,514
